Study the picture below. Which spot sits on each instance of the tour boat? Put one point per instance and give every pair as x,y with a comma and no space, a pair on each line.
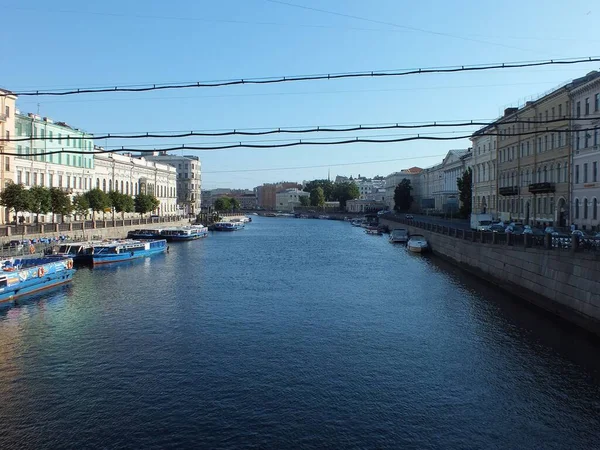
21,277
125,250
399,235
80,252
178,234
144,234
228,226
417,243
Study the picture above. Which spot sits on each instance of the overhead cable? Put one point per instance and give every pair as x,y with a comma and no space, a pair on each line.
293,130
294,143
314,77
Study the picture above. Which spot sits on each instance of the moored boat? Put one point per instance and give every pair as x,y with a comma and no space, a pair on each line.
417,243
21,277
399,235
144,234
125,250
80,252
178,234
228,226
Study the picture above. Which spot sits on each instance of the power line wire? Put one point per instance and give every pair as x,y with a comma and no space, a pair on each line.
355,140
314,77
293,130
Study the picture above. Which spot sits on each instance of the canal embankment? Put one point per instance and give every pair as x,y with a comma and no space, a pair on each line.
562,279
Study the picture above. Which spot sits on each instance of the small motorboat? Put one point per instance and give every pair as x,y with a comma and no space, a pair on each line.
417,243
374,231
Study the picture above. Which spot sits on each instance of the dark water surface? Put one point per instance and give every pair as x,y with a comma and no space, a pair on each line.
292,334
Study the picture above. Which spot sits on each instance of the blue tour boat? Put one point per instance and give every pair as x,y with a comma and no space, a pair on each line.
81,252
187,233
125,250
228,226
21,277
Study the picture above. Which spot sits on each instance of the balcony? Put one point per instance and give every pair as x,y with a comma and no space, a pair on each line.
509,190
541,188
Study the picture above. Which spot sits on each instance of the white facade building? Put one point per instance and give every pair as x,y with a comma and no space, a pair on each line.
189,179
367,187
7,127
439,183
132,175
585,190
392,180
288,199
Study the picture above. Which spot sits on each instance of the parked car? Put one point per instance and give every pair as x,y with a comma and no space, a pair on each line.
550,230
497,228
514,229
534,231
409,216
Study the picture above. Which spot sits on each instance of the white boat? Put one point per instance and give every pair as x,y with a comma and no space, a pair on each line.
417,243
399,235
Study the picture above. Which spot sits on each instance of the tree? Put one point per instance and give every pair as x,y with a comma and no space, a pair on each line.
465,187
81,205
60,203
234,203
346,191
98,201
222,204
145,203
327,186
121,203
40,201
16,197
402,197
304,200
317,197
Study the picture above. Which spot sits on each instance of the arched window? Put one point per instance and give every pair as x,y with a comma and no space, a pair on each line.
539,175
521,210
551,173
595,209
122,190
585,208
577,208
110,185
97,183
545,174
104,185
558,173
566,172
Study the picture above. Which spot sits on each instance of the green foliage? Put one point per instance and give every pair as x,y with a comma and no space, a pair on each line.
327,186
465,187
122,203
16,197
346,191
222,204
40,201
317,197
98,200
60,202
234,203
81,205
304,200
402,197
145,203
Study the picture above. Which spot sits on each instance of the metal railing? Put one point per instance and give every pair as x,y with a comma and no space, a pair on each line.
549,242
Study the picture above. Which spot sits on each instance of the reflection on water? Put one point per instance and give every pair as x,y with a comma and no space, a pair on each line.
291,333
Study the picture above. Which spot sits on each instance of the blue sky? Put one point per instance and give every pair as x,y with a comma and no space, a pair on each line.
73,43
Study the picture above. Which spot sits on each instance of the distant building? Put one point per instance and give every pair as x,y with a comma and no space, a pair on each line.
189,179
391,181
7,127
266,194
485,184
288,199
363,206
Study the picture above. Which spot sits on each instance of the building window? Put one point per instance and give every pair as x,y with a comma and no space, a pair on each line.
578,110
97,183
26,178
50,180
595,209
558,173
597,102
60,181
7,166
577,174
577,208
595,171
545,205
560,110
587,139
585,173
585,208
587,106
19,176
551,205
35,178
68,181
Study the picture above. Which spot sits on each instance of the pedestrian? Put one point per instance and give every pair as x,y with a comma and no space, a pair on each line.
572,227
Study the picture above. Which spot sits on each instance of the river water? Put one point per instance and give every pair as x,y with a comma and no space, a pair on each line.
292,334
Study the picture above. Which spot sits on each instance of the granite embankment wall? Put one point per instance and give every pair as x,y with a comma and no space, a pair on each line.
563,282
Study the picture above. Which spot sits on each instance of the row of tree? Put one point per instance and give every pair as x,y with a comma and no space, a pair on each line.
403,198
42,200
227,204
322,191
